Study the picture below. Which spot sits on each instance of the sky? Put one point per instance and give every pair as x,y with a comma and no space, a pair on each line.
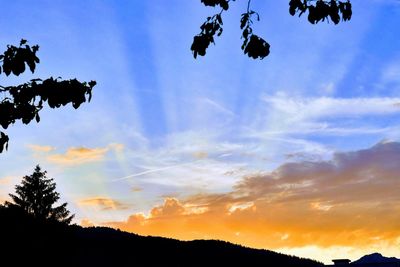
297,153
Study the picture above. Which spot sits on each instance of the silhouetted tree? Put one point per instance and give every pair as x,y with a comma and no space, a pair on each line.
23,102
36,196
255,46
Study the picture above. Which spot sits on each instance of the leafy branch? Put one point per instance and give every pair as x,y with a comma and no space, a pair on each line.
322,10
24,102
255,46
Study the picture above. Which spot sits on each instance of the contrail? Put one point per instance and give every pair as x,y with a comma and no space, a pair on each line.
152,171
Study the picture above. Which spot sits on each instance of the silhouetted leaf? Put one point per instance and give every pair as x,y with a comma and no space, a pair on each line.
211,27
334,12
3,142
222,3
257,47
322,10
253,45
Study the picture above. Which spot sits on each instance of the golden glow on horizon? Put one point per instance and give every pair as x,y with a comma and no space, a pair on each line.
288,228
301,207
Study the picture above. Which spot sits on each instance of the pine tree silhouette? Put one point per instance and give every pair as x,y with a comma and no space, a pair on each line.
36,196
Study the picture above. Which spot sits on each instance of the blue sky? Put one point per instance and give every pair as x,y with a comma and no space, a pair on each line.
164,125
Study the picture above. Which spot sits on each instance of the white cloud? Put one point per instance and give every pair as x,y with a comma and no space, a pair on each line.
284,115
257,148
323,107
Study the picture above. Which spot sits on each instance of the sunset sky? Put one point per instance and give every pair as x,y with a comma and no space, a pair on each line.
297,153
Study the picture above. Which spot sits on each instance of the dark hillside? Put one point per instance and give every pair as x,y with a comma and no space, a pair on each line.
27,242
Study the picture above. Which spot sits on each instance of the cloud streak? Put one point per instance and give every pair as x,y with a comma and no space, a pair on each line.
153,171
333,107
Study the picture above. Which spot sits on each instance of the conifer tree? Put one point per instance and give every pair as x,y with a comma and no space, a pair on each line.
36,196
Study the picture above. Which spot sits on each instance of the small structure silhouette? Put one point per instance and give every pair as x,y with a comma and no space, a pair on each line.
372,260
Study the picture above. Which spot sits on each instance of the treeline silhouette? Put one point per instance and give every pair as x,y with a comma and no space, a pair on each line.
35,231
28,241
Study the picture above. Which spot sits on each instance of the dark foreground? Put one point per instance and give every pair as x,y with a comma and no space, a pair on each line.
27,242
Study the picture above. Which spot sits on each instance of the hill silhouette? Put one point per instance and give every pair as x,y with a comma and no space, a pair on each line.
376,258
26,241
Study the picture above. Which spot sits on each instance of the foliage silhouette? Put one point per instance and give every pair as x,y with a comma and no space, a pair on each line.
255,46
36,196
24,102
47,243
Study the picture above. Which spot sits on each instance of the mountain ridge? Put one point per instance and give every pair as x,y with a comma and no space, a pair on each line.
376,258
28,242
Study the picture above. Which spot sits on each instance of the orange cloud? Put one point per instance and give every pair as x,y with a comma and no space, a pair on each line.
80,155
75,155
104,203
39,148
352,200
